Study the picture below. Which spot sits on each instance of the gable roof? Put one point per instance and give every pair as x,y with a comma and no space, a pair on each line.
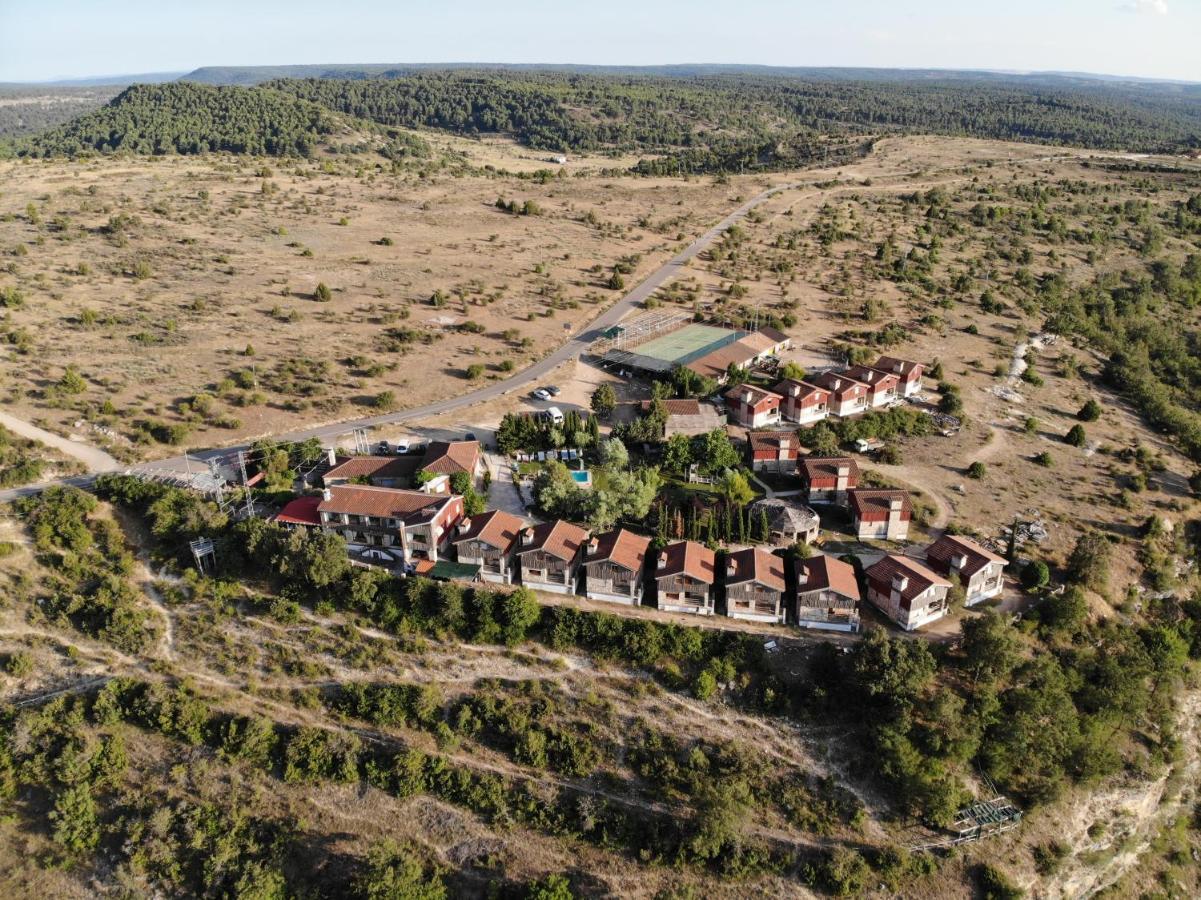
822,572
373,467
449,457
805,388
826,467
385,503
866,502
765,339
758,394
714,365
622,547
300,511
903,367
942,551
783,515
496,528
560,539
836,382
920,578
674,407
754,564
688,558
872,376
771,442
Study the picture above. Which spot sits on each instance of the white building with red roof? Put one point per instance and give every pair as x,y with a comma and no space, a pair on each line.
906,591
415,524
909,373
981,572
802,402
882,515
753,407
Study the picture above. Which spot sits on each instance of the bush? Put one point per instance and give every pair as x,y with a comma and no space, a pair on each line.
1036,575
1090,412
1076,436
475,371
322,293
977,470
1044,459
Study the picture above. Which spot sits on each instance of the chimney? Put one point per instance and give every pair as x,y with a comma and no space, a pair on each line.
958,561
895,504
527,537
844,471
746,397
327,494
662,563
464,525
837,383
795,390
900,582
802,575
593,544
331,456
732,567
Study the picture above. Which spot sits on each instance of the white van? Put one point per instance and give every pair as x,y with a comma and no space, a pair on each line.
554,414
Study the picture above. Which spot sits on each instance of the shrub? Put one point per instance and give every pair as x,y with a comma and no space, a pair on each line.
322,293
1044,459
1090,412
1076,436
977,470
1036,575
475,371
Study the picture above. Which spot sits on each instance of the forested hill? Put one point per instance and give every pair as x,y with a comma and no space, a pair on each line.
191,118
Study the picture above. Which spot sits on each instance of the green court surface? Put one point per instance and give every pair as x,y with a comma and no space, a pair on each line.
689,341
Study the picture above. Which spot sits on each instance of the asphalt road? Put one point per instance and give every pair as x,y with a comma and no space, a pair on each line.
570,349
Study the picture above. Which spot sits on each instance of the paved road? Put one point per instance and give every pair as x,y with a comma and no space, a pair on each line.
573,347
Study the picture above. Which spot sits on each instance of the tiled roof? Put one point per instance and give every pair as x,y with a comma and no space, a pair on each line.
301,511
689,558
496,528
622,547
942,551
449,457
675,407
372,467
714,365
758,394
827,467
806,389
560,539
385,503
865,502
765,339
902,367
920,578
836,382
769,441
823,572
753,564
872,376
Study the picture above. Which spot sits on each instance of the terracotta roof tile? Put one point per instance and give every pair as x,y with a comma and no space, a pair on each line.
826,467
449,457
865,501
919,577
770,441
301,511
836,383
675,407
873,376
622,547
689,558
758,394
805,389
754,564
822,572
942,551
903,367
496,528
385,503
373,467
560,539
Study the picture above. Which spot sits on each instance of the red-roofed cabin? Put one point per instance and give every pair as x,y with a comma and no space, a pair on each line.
613,566
980,571
548,556
300,513
827,479
418,524
752,406
827,594
755,586
772,451
883,387
906,591
881,515
488,541
684,574
909,373
803,403
848,397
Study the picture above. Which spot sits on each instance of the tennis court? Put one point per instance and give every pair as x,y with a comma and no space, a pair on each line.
688,343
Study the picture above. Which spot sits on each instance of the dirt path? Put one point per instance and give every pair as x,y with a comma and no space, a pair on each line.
94,458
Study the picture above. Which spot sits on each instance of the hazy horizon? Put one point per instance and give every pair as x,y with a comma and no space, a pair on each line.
63,40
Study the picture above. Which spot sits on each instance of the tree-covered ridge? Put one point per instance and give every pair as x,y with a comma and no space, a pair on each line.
191,118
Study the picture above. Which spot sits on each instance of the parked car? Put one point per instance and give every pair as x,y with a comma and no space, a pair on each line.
402,446
384,449
541,394
470,436
552,390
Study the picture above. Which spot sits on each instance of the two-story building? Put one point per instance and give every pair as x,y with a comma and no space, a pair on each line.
827,594
883,388
802,402
753,407
772,451
415,524
906,591
614,566
980,571
548,556
848,397
909,373
684,576
451,457
755,586
488,541
882,515
826,479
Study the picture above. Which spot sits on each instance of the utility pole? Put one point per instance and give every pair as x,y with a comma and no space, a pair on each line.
361,444
245,485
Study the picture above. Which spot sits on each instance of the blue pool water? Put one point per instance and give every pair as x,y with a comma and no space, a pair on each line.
581,477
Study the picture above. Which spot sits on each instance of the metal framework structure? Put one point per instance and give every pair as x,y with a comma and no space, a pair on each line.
984,818
641,329
204,552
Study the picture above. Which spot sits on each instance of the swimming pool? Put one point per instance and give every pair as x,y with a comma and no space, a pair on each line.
584,477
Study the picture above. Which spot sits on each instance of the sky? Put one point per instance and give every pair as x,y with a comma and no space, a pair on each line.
58,39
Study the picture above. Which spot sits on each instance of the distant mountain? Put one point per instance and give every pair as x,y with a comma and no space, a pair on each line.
99,80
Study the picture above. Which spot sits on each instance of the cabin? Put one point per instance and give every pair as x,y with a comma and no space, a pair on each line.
848,397
548,556
980,572
753,407
488,541
826,479
772,451
909,373
882,515
683,576
883,388
687,417
411,525
754,583
802,402
827,594
787,521
906,591
614,565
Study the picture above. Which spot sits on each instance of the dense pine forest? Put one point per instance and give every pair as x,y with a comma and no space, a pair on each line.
713,121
